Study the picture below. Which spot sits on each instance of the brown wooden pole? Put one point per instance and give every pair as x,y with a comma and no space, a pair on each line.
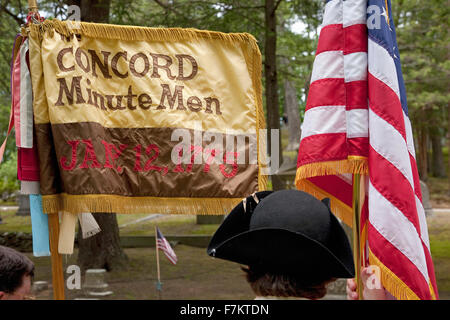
57,266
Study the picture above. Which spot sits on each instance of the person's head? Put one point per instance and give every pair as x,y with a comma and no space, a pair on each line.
267,283
16,274
291,242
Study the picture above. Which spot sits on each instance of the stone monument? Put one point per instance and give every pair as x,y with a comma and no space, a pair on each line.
23,201
95,284
426,199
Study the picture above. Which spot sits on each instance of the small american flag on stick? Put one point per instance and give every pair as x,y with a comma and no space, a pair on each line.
163,244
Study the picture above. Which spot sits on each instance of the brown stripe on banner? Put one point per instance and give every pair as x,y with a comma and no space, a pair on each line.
48,166
137,162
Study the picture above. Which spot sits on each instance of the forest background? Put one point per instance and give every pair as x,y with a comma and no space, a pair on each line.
287,32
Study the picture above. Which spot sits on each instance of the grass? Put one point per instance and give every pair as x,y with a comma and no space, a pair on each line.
13,223
168,224
439,192
439,234
195,276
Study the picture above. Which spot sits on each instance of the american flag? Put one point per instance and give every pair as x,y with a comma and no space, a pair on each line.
164,245
356,122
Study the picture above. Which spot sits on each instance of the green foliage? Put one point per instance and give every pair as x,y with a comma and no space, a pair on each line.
297,50
422,34
8,175
4,122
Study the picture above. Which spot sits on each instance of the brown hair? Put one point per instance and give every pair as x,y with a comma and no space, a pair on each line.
264,283
13,267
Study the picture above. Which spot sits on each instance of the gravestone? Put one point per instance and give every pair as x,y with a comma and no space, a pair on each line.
336,290
426,199
287,172
95,284
23,201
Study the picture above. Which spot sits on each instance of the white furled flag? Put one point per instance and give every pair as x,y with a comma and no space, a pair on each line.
356,122
164,245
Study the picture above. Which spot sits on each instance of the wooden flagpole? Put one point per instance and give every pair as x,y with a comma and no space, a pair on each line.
158,285
357,232
57,266
53,224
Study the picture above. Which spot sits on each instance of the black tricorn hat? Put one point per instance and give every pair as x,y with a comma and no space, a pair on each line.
285,232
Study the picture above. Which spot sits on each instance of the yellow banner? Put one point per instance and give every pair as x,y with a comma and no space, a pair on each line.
108,99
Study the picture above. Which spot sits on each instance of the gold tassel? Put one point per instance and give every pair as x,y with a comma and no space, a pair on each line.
123,204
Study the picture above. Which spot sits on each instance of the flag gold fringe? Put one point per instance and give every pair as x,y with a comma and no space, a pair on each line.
122,204
340,209
433,295
353,165
391,282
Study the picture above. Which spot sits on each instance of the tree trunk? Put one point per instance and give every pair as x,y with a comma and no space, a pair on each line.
293,114
270,72
423,154
448,144
437,157
102,250
95,10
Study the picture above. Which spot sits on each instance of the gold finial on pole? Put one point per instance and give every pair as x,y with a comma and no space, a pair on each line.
32,6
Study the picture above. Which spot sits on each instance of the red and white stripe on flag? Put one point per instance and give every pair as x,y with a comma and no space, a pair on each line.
356,122
334,140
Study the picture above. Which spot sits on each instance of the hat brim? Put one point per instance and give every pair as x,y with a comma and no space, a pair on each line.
285,251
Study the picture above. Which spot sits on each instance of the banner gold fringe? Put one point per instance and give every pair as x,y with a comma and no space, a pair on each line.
133,33
260,118
123,204
391,282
